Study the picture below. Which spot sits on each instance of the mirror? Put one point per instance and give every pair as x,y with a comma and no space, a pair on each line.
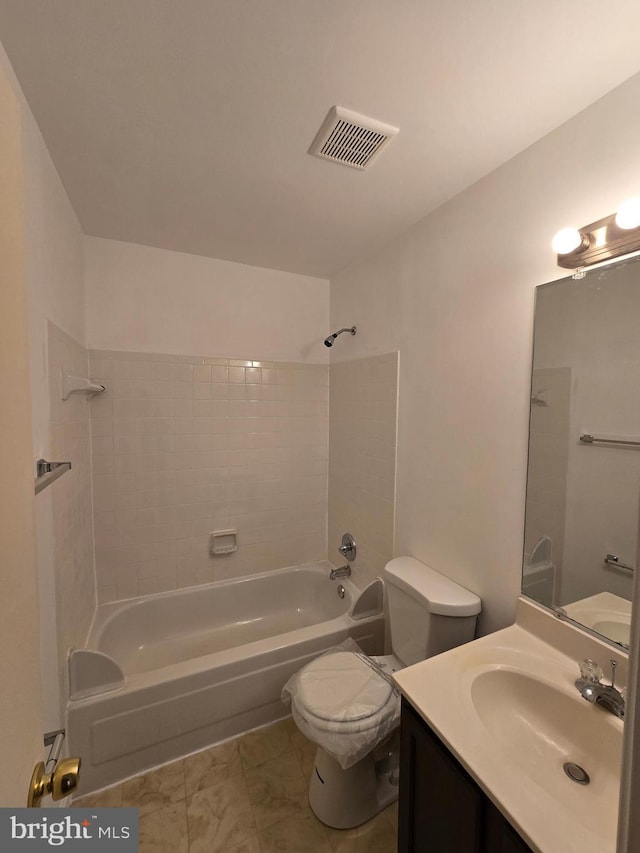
583,480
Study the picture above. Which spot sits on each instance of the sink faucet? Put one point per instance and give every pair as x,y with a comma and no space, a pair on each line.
591,688
342,572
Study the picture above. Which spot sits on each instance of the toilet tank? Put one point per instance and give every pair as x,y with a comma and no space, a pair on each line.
428,613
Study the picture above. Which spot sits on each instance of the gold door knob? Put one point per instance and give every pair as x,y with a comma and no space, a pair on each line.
37,786
59,784
65,778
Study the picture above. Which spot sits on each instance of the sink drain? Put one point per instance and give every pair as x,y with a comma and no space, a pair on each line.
576,773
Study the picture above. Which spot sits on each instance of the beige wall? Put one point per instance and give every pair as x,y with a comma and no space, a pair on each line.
20,698
362,461
454,295
183,446
55,292
150,300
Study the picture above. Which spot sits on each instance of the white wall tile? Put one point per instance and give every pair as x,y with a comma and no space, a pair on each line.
362,453
71,495
188,445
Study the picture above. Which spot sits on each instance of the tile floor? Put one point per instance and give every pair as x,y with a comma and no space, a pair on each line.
248,795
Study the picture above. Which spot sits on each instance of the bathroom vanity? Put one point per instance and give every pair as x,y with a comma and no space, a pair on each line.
441,807
491,733
500,752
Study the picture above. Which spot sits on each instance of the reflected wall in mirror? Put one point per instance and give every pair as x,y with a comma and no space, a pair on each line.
583,495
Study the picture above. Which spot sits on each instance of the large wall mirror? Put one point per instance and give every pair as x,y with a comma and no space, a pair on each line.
583,483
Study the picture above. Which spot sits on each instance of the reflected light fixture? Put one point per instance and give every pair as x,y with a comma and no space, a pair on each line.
608,238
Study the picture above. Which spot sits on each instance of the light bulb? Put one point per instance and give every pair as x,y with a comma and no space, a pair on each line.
628,215
566,240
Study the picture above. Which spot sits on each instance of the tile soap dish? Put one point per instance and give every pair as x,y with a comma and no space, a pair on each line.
223,542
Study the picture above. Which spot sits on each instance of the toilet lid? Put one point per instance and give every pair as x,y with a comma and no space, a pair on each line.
342,687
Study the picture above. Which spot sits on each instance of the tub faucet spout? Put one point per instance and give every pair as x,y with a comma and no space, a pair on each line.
342,572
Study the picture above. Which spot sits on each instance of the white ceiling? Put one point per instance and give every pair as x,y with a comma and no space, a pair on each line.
185,124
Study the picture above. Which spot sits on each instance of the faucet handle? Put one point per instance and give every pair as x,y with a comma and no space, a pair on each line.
591,671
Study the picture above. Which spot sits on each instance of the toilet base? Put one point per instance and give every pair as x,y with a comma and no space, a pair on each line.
343,799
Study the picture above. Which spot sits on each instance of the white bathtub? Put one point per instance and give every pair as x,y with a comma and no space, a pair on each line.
169,674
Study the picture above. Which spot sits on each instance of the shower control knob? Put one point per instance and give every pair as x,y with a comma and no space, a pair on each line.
348,547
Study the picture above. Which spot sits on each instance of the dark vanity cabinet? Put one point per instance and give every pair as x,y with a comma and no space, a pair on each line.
441,808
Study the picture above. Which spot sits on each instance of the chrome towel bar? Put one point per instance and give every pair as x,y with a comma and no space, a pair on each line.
612,560
587,438
47,472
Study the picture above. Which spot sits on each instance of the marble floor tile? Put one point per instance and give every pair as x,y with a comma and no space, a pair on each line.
165,830
290,725
277,789
300,833
376,836
109,798
220,816
391,814
214,765
251,845
249,795
155,790
264,744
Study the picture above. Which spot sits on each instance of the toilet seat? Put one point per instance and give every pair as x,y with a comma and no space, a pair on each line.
343,693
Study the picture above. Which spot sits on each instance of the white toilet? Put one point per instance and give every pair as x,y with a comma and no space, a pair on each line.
347,703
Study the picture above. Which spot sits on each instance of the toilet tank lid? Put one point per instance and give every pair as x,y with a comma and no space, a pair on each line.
437,593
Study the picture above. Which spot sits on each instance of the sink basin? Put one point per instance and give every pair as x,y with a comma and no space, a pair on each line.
539,728
507,707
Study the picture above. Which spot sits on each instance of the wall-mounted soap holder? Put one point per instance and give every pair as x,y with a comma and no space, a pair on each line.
79,384
223,542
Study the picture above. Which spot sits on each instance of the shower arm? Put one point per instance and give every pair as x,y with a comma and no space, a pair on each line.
328,342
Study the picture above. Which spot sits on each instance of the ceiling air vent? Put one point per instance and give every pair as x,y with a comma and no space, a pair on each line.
351,139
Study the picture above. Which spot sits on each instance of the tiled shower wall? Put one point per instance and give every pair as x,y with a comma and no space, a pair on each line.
362,472
70,496
183,446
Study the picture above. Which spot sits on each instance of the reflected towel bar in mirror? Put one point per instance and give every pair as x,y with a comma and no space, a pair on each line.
587,438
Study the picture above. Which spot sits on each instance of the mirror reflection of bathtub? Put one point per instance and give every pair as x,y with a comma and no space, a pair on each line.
169,674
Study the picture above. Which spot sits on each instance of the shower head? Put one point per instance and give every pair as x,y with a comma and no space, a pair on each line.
328,342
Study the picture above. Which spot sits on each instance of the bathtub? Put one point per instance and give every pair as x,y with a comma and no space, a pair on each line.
169,674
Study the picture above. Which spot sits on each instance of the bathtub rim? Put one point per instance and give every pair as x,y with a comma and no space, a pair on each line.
232,656
104,613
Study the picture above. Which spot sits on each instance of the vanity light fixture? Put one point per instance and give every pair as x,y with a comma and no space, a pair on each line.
628,214
567,240
608,238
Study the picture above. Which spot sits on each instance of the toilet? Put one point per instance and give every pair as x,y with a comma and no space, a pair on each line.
347,703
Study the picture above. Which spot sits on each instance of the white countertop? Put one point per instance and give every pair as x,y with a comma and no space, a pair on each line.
561,817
